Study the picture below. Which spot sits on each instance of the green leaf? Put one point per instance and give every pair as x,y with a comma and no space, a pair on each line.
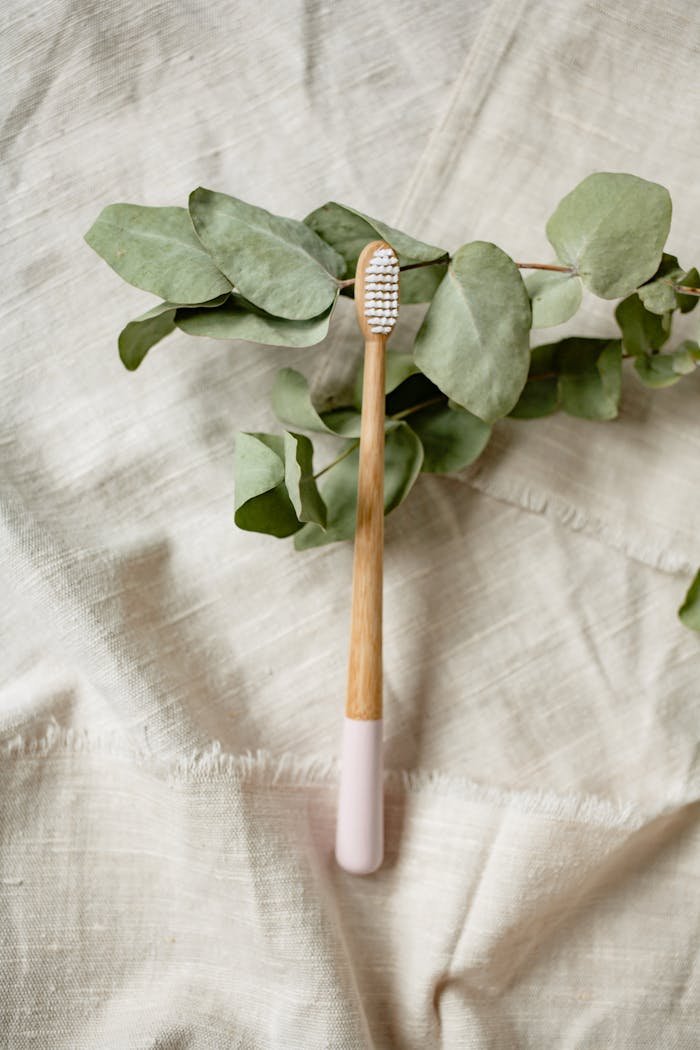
345,421
689,612
661,370
474,341
540,395
291,403
554,297
691,279
238,319
451,437
137,338
261,497
348,231
658,294
590,377
299,479
587,379
642,331
539,398
156,249
279,264
612,228
403,457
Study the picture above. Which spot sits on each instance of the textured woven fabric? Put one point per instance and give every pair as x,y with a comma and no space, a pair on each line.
172,688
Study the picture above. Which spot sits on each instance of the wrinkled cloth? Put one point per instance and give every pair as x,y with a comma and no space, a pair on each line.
173,688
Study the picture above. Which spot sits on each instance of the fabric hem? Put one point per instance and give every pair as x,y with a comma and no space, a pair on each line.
537,501
287,769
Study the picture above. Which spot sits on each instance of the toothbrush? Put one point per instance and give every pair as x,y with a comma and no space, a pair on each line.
359,843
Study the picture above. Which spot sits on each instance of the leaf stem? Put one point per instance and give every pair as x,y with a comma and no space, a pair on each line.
348,282
432,262
545,266
415,408
348,450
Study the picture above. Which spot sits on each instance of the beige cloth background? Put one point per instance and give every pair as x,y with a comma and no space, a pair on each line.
172,688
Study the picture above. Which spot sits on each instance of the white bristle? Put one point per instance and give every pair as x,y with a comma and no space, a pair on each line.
381,291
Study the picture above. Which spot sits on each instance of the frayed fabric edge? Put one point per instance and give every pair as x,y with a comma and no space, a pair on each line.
650,554
264,769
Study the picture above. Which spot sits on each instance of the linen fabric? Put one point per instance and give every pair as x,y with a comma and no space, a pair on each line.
173,688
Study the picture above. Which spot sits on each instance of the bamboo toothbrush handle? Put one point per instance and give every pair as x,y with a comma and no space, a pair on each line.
365,684
359,840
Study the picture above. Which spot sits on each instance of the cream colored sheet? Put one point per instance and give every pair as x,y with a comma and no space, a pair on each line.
172,688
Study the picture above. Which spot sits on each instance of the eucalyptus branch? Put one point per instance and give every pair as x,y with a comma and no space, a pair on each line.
607,234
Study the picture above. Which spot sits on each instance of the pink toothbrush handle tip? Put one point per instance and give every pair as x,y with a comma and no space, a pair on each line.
359,841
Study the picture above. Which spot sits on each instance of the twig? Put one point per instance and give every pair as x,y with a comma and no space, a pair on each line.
446,258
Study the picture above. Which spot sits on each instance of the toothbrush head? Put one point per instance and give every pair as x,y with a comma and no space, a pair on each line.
377,289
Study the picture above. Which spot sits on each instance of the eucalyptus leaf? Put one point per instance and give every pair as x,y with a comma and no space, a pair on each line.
689,612
299,479
658,294
451,437
590,377
691,279
291,403
348,231
581,376
137,338
261,498
642,330
403,457
139,335
344,421
612,228
662,370
474,341
555,297
540,395
238,319
279,264
157,249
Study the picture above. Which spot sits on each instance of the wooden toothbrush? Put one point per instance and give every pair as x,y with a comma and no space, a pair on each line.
359,843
